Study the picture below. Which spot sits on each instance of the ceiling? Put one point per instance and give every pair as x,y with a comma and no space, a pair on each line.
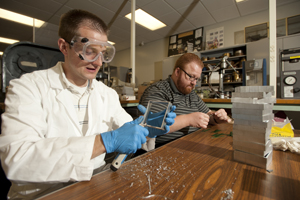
179,16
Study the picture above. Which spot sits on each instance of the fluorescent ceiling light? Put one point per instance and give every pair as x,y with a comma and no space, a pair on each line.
7,40
146,20
5,14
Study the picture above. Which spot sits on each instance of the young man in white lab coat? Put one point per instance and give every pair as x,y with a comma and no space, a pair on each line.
59,123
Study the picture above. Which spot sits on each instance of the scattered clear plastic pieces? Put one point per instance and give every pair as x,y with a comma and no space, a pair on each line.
229,194
148,177
154,196
158,169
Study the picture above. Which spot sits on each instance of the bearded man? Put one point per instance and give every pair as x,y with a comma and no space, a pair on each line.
192,113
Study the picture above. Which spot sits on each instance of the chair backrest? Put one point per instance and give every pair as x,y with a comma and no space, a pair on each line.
5,184
25,57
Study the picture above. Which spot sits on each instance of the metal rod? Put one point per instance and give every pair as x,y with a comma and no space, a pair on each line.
272,46
133,40
33,31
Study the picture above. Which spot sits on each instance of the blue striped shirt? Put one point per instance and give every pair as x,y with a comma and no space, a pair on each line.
166,91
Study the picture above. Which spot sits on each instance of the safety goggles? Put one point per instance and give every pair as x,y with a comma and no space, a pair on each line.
90,49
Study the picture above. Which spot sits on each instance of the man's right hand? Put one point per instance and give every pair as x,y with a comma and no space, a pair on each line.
126,139
198,119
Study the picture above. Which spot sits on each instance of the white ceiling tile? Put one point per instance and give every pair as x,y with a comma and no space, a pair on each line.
123,23
249,7
178,4
46,6
195,11
105,14
183,27
121,33
115,39
105,3
142,40
46,41
141,30
25,10
60,1
114,5
170,19
50,27
202,20
192,13
164,32
122,45
151,36
226,13
54,20
12,30
157,8
47,34
213,5
62,10
282,2
141,3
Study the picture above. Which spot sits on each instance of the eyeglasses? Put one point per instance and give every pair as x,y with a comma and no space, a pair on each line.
191,78
90,49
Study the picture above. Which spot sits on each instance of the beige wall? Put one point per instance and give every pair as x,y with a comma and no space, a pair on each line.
146,56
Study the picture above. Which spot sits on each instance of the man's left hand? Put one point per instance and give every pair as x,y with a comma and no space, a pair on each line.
221,116
157,119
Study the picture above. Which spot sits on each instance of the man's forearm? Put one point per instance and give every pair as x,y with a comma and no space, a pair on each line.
99,147
181,121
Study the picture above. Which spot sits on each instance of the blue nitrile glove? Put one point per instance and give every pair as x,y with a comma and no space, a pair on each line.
126,139
156,119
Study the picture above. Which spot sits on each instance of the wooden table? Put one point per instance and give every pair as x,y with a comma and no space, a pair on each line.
197,166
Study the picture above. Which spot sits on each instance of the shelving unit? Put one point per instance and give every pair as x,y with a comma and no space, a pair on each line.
237,54
217,60
217,53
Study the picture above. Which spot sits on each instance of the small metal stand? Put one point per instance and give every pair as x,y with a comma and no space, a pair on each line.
221,66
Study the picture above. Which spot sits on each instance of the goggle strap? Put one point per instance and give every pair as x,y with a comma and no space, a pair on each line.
84,40
80,56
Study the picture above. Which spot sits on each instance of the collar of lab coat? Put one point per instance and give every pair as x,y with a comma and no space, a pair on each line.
59,78
55,77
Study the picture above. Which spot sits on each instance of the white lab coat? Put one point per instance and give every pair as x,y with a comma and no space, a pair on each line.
41,141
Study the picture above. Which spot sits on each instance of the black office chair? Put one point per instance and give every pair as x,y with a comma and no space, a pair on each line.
5,183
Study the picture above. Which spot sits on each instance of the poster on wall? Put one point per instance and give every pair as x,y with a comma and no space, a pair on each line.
214,38
198,39
190,41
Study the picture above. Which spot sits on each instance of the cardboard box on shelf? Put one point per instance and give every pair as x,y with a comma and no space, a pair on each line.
128,97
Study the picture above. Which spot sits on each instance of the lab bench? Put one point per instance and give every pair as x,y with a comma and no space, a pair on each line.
131,103
196,166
